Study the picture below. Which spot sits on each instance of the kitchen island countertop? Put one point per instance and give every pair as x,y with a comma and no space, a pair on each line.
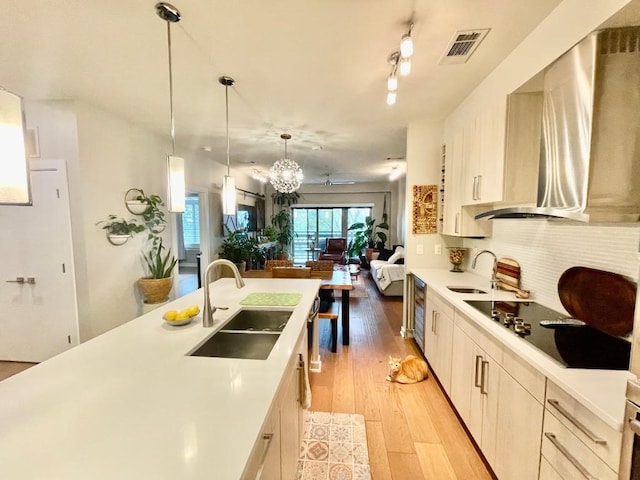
131,404
601,391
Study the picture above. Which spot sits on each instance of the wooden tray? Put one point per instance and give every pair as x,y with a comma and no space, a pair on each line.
603,300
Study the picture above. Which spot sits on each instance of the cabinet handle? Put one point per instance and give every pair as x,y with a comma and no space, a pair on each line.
433,321
590,435
479,188
436,325
574,461
267,437
476,379
457,225
301,385
483,377
634,425
475,188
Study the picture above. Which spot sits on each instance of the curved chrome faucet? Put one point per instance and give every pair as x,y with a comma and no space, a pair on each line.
208,310
494,280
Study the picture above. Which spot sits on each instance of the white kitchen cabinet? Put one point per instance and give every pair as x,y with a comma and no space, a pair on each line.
276,452
458,220
475,385
501,414
291,412
438,333
575,441
484,154
491,161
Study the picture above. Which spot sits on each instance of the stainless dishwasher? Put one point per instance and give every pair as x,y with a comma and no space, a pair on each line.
419,291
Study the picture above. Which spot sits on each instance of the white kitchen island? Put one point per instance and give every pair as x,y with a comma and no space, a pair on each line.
131,404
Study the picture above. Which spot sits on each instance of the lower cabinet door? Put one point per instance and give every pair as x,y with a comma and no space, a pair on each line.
518,431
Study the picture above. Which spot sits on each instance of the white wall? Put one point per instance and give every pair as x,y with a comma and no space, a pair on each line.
424,144
106,156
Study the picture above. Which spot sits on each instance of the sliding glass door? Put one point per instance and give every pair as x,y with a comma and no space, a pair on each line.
315,225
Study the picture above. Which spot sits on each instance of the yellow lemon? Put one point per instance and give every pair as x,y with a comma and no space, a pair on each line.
193,310
170,315
183,315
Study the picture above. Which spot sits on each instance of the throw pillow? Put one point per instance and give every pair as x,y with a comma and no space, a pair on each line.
395,257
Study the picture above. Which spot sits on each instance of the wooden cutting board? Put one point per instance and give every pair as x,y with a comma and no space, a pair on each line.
508,272
603,300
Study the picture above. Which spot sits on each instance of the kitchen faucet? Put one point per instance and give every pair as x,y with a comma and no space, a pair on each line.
208,309
494,280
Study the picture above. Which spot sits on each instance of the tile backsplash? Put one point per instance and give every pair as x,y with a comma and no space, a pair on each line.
545,249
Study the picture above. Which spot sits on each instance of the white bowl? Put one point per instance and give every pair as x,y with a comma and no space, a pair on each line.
178,323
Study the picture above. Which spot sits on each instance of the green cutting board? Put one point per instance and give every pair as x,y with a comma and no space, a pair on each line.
269,299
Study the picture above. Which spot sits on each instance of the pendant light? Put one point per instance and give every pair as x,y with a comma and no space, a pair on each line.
175,164
14,167
229,184
286,175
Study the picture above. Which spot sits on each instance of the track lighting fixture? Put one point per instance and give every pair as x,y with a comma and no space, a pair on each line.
400,65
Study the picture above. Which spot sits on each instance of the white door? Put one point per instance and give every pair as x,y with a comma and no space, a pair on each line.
39,317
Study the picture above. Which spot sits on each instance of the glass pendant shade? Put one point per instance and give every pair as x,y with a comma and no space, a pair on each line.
229,195
175,171
14,169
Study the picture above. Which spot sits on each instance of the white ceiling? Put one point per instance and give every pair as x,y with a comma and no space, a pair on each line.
314,68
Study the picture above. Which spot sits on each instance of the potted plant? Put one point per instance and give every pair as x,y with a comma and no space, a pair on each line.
282,221
148,206
156,286
119,230
238,248
368,235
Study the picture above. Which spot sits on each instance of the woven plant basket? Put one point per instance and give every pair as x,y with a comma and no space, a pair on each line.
155,290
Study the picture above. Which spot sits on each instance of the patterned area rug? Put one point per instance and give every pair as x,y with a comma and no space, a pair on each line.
334,447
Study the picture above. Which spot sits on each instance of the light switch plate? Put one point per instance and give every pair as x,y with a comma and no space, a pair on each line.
437,249
420,249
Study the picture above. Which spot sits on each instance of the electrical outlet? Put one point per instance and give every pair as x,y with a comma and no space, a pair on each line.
437,249
420,249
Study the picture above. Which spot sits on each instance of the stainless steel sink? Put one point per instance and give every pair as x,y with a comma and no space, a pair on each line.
466,290
237,344
259,320
249,334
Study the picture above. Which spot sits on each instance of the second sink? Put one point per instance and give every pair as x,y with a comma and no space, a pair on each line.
259,320
466,290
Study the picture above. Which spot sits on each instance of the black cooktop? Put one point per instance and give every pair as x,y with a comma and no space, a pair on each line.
572,346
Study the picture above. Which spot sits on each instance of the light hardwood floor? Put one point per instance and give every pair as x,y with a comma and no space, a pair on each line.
7,369
412,431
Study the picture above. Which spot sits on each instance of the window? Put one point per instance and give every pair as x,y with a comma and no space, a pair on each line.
318,224
191,221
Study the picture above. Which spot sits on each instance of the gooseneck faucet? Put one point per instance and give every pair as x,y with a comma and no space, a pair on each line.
494,280
208,309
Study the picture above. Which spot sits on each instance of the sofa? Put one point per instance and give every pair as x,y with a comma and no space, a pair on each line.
388,275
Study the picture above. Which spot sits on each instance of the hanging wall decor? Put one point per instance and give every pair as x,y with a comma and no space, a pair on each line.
425,208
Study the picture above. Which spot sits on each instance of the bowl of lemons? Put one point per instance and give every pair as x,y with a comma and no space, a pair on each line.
181,317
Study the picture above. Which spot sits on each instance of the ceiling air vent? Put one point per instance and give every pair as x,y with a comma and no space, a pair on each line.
462,45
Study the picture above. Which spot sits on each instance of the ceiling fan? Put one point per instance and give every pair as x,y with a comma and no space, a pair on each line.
328,182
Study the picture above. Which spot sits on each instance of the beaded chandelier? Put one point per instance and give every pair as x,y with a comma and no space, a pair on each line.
285,175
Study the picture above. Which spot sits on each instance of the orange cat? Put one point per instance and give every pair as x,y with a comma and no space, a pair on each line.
410,370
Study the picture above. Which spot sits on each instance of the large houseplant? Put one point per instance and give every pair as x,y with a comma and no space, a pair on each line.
368,235
156,286
240,248
282,220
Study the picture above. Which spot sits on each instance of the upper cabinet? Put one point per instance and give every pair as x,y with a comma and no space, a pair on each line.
492,159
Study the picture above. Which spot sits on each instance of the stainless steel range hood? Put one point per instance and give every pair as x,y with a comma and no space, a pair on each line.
590,147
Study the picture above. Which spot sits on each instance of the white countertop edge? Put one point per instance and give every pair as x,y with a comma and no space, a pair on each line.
601,391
